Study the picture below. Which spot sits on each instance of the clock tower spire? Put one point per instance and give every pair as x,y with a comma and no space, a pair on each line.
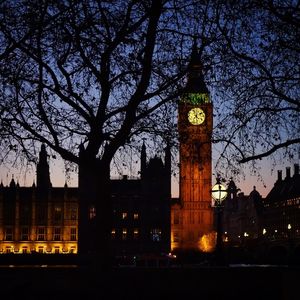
195,121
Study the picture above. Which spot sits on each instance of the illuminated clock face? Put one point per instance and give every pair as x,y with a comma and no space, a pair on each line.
196,116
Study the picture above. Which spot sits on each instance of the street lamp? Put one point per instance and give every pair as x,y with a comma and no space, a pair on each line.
219,193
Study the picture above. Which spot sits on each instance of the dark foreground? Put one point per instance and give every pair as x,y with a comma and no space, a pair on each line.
71,282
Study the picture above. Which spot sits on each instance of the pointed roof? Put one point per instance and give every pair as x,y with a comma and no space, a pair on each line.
195,83
285,189
12,182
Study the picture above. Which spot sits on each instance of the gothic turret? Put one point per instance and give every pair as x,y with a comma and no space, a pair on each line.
168,169
43,174
12,182
195,83
168,158
143,160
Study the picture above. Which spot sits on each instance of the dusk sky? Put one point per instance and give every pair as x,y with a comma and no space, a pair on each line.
25,177
233,65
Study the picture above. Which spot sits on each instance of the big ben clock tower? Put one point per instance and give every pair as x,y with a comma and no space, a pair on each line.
194,217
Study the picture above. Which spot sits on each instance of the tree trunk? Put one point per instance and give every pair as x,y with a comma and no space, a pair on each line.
95,212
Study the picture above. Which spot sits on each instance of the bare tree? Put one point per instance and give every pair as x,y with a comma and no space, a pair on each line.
258,82
85,78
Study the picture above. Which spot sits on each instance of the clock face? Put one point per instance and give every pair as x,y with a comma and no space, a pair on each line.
196,116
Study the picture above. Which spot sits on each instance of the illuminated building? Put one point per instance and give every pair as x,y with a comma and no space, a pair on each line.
281,220
44,219
269,227
39,218
192,215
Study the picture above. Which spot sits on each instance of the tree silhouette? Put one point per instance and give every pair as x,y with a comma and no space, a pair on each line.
85,78
260,83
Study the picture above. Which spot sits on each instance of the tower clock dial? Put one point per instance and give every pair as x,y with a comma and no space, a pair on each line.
196,116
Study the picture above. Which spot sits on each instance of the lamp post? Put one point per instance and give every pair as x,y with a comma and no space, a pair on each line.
219,193
290,243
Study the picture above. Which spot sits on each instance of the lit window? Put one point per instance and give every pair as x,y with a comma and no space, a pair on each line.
135,233
113,234
24,250
8,234
41,234
155,234
56,250
92,212
57,234
24,234
8,249
72,250
124,215
124,234
74,234
73,213
135,216
57,213
41,249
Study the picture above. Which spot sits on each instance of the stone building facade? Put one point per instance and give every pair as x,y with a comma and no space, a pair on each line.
44,219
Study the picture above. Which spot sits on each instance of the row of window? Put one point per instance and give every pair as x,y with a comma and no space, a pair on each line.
127,234
124,215
41,233
41,213
39,249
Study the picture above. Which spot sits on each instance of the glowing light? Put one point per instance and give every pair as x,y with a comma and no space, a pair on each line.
42,247
207,242
219,193
264,231
289,226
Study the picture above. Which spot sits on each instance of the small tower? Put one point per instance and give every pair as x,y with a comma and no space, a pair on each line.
168,158
168,170
42,172
231,200
143,160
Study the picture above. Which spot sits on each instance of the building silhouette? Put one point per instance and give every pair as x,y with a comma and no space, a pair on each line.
242,215
282,206
44,219
145,219
267,229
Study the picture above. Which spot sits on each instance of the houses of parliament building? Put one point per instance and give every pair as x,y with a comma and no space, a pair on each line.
44,219
145,219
